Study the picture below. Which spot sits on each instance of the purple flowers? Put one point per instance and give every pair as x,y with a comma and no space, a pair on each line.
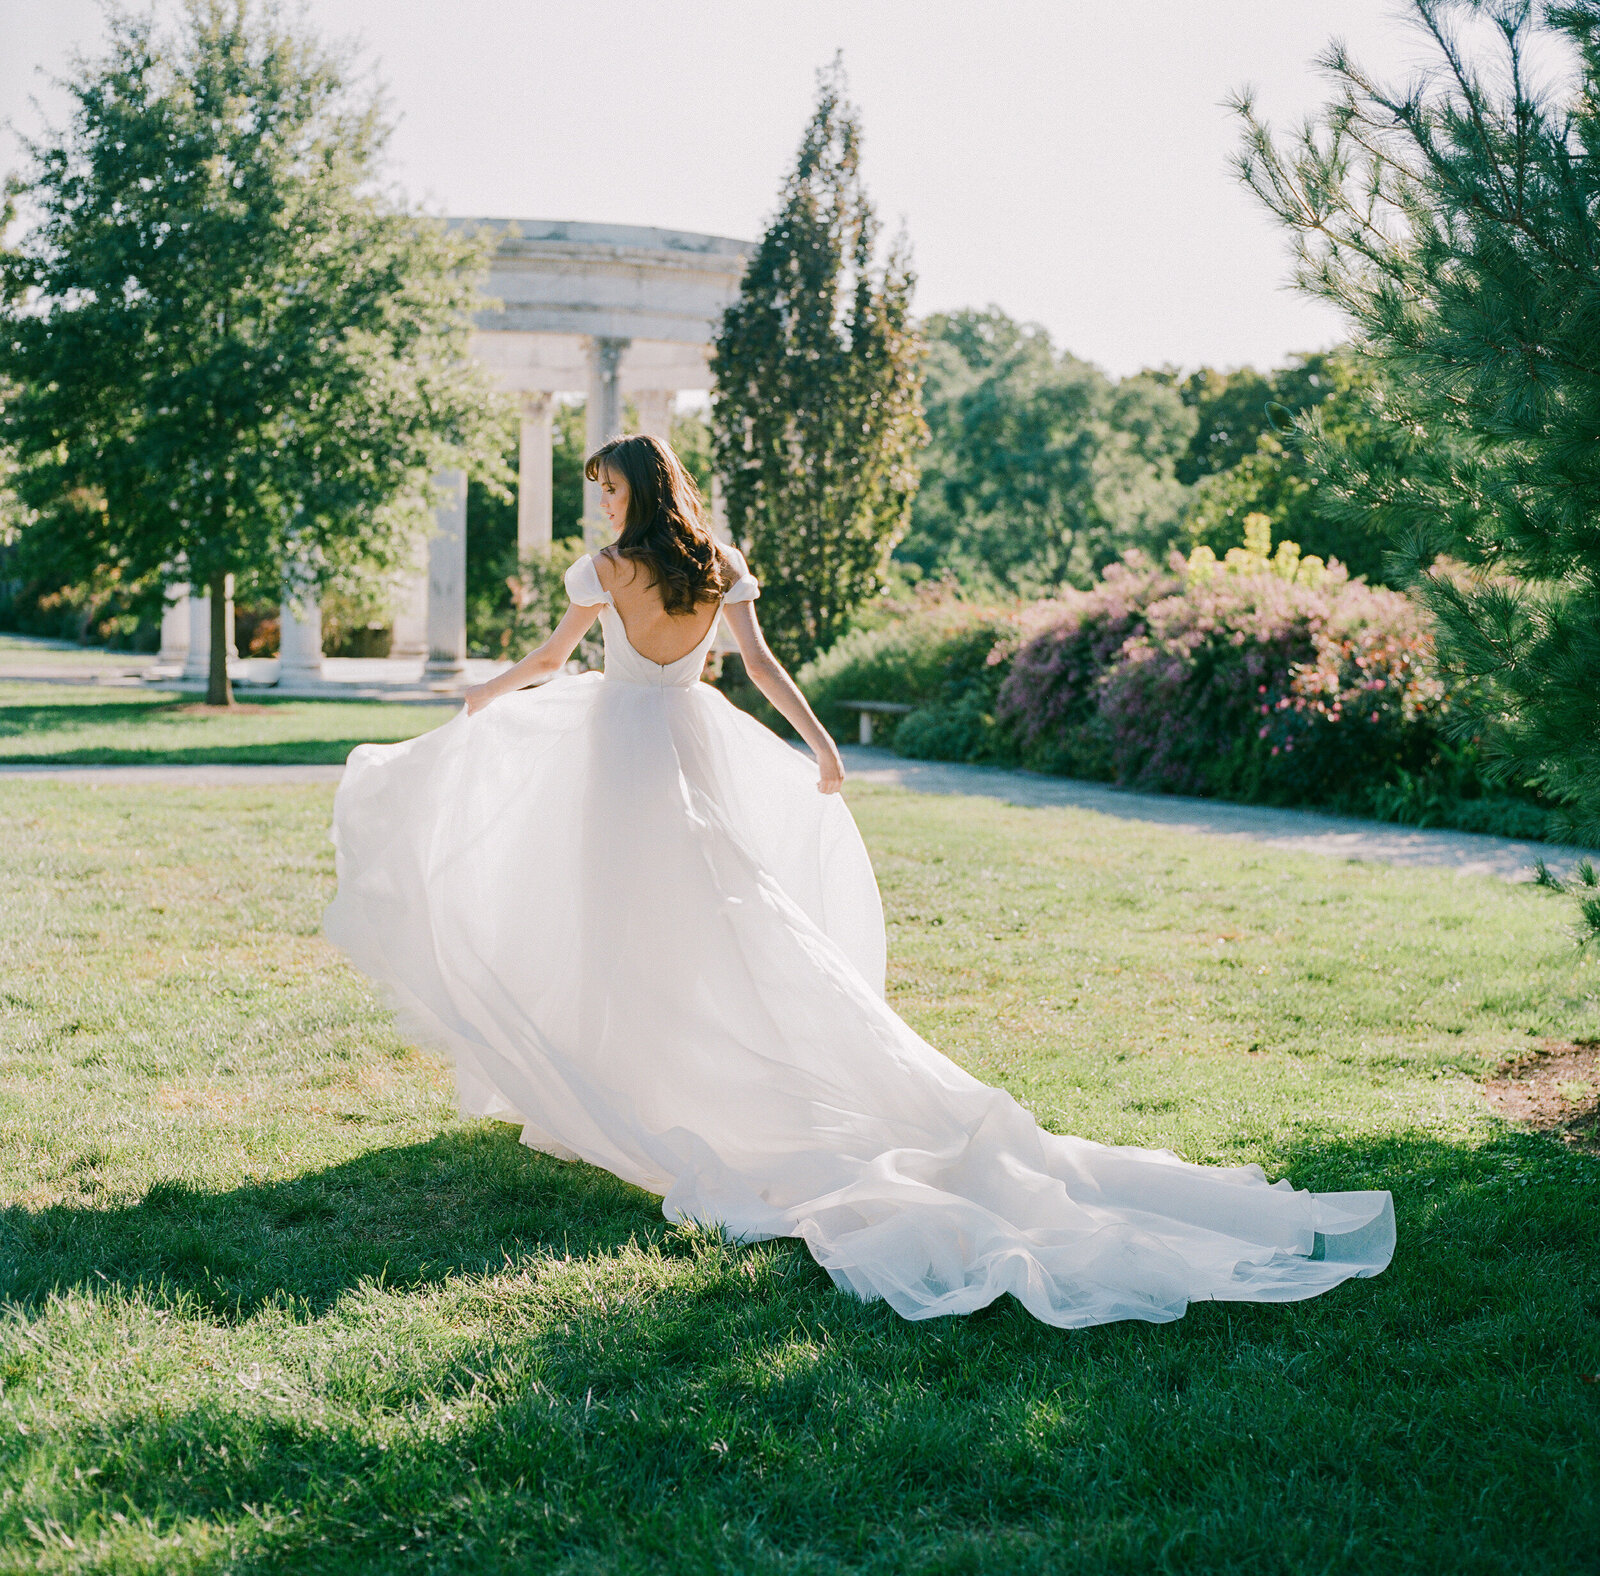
1246,684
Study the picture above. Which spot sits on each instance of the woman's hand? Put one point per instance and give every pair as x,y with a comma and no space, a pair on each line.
830,770
479,696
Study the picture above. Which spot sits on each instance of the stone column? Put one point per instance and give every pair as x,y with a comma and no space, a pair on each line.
198,663
535,478
655,412
603,419
299,639
447,580
175,628
410,627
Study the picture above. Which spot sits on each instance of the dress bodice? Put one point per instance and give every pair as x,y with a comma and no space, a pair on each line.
625,665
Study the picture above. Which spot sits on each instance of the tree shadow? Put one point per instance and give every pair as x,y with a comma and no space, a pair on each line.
471,1199
61,722
739,1413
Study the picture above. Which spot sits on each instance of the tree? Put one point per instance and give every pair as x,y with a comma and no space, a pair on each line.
1272,476
1454,222
227,350
816,418
1231,414
1039,469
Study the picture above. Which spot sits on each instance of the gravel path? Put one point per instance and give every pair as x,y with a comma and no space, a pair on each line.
1307,831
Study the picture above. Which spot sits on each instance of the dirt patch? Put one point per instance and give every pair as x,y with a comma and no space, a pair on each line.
211,1101
239,709
1554,1089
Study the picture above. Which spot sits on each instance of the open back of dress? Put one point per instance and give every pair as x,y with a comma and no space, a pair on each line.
622,908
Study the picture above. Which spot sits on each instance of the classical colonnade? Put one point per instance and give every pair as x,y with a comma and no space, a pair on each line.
619,313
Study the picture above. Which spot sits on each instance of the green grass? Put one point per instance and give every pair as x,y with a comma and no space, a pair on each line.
270,1307
58,725
66,655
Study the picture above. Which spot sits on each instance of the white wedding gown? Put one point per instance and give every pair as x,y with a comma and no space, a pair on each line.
622,908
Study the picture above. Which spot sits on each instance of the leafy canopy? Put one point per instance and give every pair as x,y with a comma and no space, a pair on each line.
1039,469
817,417
1454,221
226,349
1266,471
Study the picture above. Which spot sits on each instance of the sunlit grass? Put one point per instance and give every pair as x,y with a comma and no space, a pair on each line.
272,1307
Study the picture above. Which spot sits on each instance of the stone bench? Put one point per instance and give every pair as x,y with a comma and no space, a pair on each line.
868,709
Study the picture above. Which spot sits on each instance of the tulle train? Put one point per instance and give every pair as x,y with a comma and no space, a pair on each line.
629,918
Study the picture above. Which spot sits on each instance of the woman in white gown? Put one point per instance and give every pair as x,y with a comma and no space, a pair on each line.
626,912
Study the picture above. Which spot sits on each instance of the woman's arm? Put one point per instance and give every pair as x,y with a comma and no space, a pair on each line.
542,662
768,676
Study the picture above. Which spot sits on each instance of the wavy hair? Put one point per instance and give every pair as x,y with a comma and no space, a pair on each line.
665,530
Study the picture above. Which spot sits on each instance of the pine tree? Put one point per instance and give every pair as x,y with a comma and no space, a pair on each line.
224,349
817,417
1454,222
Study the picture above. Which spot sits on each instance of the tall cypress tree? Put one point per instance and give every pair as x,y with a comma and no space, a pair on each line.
225,350
817,413
1454,221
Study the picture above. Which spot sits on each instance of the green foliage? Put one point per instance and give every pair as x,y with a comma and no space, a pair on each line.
1584,885
538,599
1039,469
1264,677
694,444
226,349
100,610
1230,414
358,617
1453,221
942,656
816,416
1266,472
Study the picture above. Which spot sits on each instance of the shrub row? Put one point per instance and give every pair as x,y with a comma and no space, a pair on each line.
1261,679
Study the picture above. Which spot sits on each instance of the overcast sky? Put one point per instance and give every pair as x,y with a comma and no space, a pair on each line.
1064,159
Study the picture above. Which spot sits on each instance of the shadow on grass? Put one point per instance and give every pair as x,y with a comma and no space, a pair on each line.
283,752
164,722
18,718
467,1201
739,1414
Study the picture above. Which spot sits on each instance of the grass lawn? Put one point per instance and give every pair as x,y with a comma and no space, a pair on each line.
269,1306
66,654
67,726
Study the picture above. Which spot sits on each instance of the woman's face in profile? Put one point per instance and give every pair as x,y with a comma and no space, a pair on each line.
614,499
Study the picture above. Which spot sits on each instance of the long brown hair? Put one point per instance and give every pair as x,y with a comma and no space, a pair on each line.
665,530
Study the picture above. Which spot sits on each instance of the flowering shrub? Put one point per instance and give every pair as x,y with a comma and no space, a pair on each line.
1049,702
1269,679
1262,679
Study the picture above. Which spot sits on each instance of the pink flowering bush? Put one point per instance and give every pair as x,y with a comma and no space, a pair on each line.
1268,681
1246,686
1264,679
1049,702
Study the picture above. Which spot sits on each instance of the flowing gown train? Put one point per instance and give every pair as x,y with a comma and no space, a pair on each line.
621,907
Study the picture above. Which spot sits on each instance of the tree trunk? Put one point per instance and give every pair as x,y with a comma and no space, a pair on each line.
219,692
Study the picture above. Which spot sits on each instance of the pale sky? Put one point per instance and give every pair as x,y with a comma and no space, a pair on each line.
1065,160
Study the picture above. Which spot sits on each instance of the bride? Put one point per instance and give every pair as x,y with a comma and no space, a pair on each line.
646,929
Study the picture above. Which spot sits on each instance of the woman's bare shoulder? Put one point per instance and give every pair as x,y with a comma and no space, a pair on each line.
614,570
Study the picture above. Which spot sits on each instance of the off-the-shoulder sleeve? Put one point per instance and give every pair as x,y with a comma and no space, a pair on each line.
582,581
745,588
